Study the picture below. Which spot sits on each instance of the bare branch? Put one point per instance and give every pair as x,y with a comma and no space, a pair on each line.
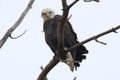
60,33
96,0
91,0
18,36
41,68
75,78
93,38
69,17
45,71
100,42
17,23
73,3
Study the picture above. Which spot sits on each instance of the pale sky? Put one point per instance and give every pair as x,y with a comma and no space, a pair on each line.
22,58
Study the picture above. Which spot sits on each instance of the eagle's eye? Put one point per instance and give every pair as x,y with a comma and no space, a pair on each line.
50,12
43,13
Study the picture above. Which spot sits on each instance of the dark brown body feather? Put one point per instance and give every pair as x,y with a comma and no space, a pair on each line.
70,38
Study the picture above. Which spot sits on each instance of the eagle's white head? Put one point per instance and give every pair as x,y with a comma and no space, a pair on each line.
47,14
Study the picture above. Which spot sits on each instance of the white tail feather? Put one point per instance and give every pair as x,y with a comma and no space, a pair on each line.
70,61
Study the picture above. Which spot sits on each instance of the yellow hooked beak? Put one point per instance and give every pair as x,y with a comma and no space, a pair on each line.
48,15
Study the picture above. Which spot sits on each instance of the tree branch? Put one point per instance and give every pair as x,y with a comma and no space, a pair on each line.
96,0
18,36
60,30
45,71
93,38
75,78
100,42
17,23
60,35
91,0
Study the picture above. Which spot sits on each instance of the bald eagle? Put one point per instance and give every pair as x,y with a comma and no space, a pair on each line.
50,26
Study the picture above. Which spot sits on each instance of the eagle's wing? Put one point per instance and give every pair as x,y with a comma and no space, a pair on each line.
70,38
50,34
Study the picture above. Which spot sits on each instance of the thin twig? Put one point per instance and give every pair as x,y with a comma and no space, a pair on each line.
41,68
75,78
73,3
93,38
100,42
45,71
69,17
18,36
17,23
96,0
91,0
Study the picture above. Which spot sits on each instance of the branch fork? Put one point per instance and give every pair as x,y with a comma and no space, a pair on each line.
61,54
60,30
